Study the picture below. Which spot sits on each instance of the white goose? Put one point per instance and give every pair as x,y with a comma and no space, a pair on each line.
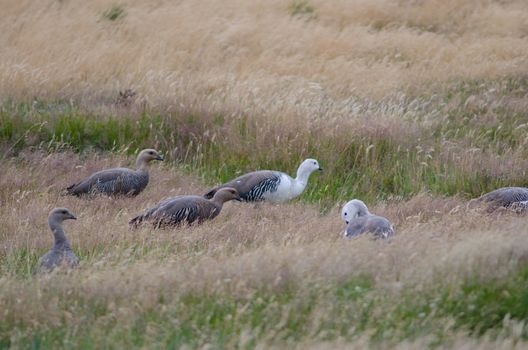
269,185
359,220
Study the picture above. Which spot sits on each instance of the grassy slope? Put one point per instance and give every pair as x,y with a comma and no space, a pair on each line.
477,145
268,275
324,314
412,100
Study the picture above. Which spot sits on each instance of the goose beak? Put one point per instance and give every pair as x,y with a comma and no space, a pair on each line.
72,217
159,157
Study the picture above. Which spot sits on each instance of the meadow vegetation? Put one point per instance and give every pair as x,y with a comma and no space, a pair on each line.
257,275
413,107
465,152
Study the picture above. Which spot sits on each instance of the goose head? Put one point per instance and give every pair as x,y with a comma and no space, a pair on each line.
146,156
353,209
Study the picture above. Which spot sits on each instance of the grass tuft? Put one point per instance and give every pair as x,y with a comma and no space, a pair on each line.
302,9
114,13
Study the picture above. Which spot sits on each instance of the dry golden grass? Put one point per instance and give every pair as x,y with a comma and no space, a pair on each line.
432,228
248,248
257,58
355,76
340,74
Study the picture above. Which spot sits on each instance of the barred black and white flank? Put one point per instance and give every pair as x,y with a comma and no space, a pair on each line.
186,209
118,181
506,197
359,220
269,185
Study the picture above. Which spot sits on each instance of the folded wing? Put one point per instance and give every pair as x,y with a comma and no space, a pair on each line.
506,197
377,225
178,210
252,186
117,181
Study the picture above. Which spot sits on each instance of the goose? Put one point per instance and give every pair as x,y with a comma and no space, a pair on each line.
118,181
359,220
269,185
181,209
506,197
61,253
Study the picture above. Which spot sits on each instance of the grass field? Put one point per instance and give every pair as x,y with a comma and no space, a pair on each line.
413,106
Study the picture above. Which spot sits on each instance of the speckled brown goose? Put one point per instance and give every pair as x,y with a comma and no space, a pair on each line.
186,209
118,181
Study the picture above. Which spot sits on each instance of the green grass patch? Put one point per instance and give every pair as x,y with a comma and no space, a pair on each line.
114,13
454,155
279,317
301,9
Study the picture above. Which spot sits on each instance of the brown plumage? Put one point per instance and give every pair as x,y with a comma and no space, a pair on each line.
506,197
118,181
186,209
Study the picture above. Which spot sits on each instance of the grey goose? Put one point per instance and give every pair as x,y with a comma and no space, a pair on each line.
118,181
359,220
61,253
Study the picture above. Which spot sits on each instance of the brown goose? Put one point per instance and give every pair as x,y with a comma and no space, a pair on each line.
61,253
118,181
506,197
359,220
181,209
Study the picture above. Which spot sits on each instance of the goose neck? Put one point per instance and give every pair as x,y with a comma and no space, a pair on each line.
56,228
218,201
141,165
302,177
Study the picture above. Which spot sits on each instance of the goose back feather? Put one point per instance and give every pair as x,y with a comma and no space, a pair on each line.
117,181
178,210
57,257
506,197
253,186
377,225
186,209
